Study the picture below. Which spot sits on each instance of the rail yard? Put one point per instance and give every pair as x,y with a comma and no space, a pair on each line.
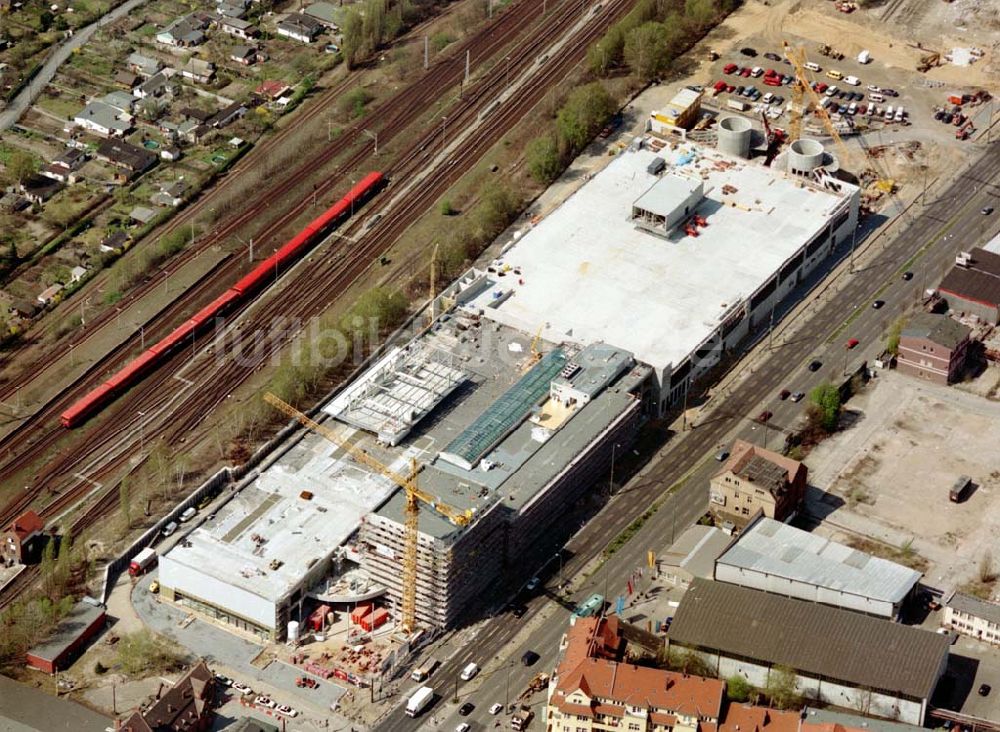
532,478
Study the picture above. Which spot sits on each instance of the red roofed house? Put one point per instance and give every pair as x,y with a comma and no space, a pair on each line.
592,689
272,88
22,540
187,706
748,718
757,479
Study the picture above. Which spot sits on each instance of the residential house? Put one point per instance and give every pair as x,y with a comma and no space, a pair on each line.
77,274
200,115
226,116
839,657
133,160
971,616
754,479
245,55
103,119
187,706
114,242
230,10
590,692
13,202
155,86
973,285
127,79
169,195
239,28
692,555
120,100
184,32
144,65
198,70
22,540
300,27
49,293
171,153
325,13
23,309
933,347
142,214
192,131
272,89
63,167
40,188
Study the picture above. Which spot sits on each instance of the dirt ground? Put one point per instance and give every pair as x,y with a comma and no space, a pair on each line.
893,468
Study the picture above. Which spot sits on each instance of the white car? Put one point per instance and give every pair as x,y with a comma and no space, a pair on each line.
263,701
286,710
874,88
469,671
496,708
242,688
463,727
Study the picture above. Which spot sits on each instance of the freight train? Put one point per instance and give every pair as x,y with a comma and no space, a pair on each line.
243,290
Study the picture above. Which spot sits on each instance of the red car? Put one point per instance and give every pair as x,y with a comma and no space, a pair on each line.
720,86
729,68
822,87
785,393
764,416
852,342
772,80
745,71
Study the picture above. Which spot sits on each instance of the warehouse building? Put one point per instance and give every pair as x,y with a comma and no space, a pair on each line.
841,658
972,616
59,650
777,558
675,256
973,285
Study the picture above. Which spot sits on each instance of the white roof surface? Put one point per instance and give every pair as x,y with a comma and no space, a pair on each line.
782,551
589,275
295,531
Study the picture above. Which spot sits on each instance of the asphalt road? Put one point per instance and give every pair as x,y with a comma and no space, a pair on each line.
948,223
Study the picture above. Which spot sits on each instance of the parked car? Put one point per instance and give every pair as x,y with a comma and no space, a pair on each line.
154,587
729,68
242,688
518,611
463,727
986,210
721,455
745,71
530,658
778,100
170,528
263,701
533,584
466,709
985,689
890,92
772,55
285,710
748,51
815,366
223,680
874,88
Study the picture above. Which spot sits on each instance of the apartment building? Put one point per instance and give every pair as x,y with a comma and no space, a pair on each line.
971,616
754,479
933,347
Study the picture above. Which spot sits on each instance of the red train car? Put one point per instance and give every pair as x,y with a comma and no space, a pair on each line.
148,360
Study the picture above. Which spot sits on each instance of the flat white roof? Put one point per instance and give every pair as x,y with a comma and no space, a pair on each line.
776,549
269,520
588,274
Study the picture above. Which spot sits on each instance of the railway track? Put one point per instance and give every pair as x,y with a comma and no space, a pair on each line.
175,400
496,35
23,445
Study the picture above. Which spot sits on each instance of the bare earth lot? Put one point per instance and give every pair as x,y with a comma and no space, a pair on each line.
894,467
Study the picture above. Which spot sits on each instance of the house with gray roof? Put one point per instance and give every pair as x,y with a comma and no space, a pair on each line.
300,27
103,119
238,28
145,65
198,70
184,32
972,616
155,86
325,13
839,657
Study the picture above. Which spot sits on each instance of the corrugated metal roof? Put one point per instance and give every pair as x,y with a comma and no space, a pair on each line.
989,611
777,549
814,639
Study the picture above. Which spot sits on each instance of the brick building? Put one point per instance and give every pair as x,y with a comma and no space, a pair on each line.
933,347
187,706
754,479
22,540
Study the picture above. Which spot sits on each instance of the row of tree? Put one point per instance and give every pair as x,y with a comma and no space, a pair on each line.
369,25
587,109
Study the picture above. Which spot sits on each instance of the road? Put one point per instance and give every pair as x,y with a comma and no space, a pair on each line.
947,224
57,57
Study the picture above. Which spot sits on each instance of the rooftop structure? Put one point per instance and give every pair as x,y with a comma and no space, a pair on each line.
830,720
756,480
693,555
590,273
187,706
939,329
973,284
772,556
831,649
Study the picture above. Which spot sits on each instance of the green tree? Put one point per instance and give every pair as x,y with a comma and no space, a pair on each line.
64,563
498,205
607,53
354,46
646,51
544,162
781,689
826,400
585,112
22,165
892,339
738,689
701,13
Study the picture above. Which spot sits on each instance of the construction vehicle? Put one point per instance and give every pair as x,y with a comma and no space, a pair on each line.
424,670
929,61
535,355
419,700
774,136
414,497
521,718
826,50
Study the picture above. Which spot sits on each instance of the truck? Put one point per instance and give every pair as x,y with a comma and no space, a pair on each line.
419,701
142,562
593,605
424,670
521,718
737,105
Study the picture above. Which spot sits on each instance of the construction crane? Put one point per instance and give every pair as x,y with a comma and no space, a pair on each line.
536,354
414,497
802,86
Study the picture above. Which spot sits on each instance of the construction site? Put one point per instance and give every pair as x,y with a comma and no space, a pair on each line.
433,477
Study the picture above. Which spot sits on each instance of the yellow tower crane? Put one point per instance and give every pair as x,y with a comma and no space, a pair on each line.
414,497
536,354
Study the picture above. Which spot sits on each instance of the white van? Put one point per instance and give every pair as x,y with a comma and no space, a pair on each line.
469,671
900,114
876,97
852,80
170,528
188,514
888,113
813,66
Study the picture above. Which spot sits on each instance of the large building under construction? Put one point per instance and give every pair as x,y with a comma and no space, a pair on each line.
535,371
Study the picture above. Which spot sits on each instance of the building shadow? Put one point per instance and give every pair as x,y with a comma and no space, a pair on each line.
957,683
